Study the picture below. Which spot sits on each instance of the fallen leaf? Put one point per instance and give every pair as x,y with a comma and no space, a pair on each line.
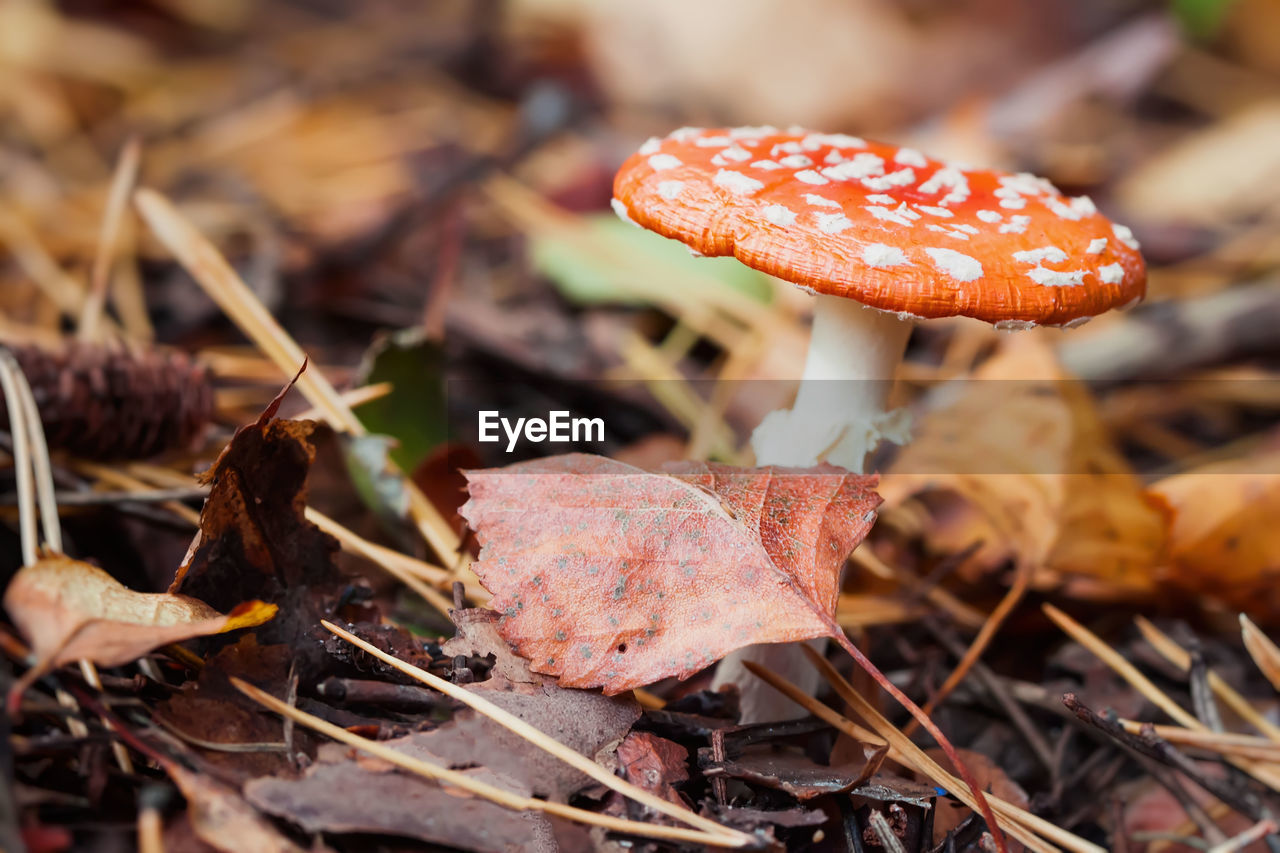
224,729
1224,544
254,541
1018,460
68,610
222,819
654,763
346,792
611,576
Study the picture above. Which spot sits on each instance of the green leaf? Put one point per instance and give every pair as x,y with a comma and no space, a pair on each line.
1201,18
611,261
413,414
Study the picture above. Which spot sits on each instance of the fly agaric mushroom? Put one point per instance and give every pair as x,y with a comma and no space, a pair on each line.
884,237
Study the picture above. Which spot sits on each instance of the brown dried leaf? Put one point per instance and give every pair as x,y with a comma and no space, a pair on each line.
69,610
1021,463
222,819
254,541
345,792
654,763
1224,543
611,576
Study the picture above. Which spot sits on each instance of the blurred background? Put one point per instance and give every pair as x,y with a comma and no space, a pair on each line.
419,192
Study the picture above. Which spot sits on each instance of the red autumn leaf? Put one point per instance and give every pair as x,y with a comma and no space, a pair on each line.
610,576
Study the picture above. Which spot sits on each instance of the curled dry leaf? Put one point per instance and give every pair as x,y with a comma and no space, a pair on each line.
68,610
1019,461
1224,543
611,576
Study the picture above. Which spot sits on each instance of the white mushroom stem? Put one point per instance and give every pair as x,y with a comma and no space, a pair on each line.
839,414
839,417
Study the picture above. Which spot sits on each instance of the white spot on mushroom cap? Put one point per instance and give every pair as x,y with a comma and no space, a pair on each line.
881,198
947,176
1052,254
658,162
1096,246
989,216
736,182
651,146
879,255
809,176
779,214
950,232
736,152
1074,209
788,147
1124,235
765,164
820,201
935,211
834,156
910,157
1026,183
832,223
796,161
712,141
1016,225
958,265
1013,203
863,165
1111,274
670,189
621,209
682,134
900,178
1056,278
886,214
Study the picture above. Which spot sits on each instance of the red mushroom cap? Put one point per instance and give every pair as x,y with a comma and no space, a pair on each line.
884,225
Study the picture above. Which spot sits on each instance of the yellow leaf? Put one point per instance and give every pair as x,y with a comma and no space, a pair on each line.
68,610
1021,462
1224,542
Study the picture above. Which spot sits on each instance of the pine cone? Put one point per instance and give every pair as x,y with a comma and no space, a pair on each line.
108,402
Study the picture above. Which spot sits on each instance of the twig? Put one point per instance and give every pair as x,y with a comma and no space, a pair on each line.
983,807
150,821
1247,746
1262,650
1262,772
34,477
91,497
1244,839
395,563
720,838
902,750
548,744
1000,693
1179,657
1152,746
126,175
1202,703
